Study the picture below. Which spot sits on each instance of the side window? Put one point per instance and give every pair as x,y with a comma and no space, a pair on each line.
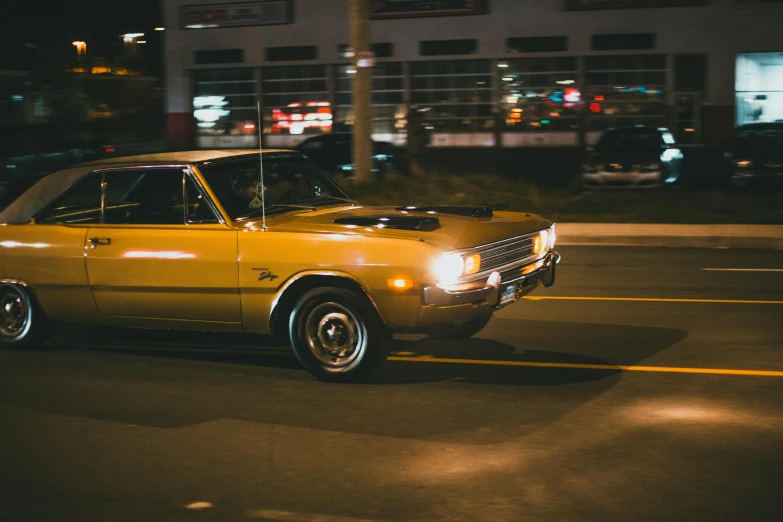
81,204
144,197
199,210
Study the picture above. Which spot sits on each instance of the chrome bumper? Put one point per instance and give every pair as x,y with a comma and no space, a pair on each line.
489,291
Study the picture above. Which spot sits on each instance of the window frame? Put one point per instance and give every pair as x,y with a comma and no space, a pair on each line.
187,174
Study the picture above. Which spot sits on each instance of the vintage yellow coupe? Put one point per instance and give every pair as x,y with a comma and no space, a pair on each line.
182,241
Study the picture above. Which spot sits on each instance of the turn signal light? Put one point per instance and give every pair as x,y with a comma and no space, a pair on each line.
472,264
538,244
401,284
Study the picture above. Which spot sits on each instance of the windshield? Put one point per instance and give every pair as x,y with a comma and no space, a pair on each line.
629,140
290,182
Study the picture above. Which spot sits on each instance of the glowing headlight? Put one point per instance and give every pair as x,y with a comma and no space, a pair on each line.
552,237
544,241
743,163
451,266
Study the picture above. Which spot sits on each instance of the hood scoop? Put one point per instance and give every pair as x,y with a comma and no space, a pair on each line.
453,210
395,222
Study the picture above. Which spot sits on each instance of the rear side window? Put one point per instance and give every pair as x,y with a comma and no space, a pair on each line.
81,204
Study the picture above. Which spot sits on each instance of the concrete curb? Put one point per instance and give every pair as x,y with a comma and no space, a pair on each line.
767,237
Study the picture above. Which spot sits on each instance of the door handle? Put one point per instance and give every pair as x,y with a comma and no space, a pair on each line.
96,241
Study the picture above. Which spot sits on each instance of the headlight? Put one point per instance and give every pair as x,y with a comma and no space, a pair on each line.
451,266
552,237
544,241
743,163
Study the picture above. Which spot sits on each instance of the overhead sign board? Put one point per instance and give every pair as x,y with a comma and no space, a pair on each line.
381,9
207,16
579,5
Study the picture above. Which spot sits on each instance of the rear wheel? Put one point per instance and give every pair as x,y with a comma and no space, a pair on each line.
22,323
337,335
464,330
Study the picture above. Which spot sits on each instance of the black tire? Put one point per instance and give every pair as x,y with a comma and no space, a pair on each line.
338,336
23,325
464,330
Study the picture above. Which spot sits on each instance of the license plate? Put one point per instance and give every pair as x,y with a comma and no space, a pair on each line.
509,295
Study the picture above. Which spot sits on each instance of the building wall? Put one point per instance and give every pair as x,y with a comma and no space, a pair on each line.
721,31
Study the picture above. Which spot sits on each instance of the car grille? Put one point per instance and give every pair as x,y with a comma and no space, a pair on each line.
613,167
504,253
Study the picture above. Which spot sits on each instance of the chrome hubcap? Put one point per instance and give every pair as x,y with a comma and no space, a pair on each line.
14,312
334,335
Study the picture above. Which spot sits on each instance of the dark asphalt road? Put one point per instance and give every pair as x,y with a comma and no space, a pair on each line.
133,426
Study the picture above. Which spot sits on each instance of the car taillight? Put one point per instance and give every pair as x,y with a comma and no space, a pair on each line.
108,149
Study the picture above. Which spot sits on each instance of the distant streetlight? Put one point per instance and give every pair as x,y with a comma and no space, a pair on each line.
160,28
131,37
81,47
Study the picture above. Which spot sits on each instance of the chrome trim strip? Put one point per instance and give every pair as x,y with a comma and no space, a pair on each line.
296,277
499,243
12,282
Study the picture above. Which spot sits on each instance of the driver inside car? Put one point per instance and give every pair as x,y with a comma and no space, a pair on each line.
276,191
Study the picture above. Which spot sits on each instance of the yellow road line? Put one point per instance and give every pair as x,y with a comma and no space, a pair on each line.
648,299
655,369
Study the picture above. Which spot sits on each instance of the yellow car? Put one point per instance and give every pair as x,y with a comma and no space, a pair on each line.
195,241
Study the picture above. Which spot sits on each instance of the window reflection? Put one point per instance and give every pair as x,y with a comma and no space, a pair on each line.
626,90
539,94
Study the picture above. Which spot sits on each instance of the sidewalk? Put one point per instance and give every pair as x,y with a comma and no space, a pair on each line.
769,237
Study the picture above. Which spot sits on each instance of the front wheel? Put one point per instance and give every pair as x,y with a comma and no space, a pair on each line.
22,323
464,330
337,335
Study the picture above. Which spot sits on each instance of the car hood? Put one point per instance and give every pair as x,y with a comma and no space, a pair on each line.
630,156
449,228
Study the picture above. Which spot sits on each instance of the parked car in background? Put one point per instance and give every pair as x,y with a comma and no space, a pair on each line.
758,155
633,156
181,241
333,153
31,152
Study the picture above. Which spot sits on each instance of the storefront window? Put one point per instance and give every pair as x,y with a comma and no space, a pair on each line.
453,96
626,90
296,100
224,102
759,88
388,107
539,94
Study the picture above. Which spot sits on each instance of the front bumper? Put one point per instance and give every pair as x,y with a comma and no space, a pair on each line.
500,289
634,178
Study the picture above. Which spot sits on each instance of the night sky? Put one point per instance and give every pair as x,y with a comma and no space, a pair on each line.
52,26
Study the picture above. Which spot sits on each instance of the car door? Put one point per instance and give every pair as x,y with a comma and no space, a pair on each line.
161,252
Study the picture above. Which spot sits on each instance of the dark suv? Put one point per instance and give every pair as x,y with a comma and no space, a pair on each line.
758,154
633,156
333,153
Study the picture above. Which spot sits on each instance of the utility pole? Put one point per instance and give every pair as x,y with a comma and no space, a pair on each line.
362,61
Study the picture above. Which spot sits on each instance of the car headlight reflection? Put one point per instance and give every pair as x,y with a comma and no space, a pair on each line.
451,266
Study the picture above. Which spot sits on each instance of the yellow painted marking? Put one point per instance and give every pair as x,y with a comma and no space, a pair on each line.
655,369
649,299
403,353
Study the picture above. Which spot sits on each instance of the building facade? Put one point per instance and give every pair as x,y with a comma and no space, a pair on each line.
479,72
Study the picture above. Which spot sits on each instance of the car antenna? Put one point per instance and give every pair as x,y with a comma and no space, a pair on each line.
260,187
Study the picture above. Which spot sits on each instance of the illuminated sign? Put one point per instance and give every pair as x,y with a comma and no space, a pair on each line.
266,12
297,117
577,5
380,9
